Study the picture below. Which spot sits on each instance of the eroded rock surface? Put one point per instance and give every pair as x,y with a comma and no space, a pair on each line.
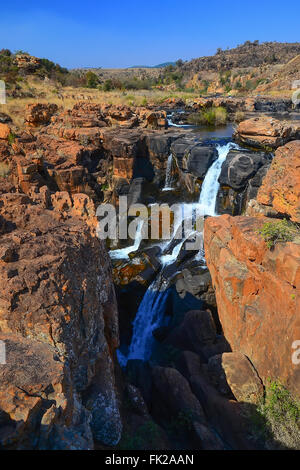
58,317
257,292
280,188
266,132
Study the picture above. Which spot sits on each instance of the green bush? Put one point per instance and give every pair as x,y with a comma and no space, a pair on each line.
279,404
278,232
209,117
91,79
250,85
146,436
183,422
275,420
238,85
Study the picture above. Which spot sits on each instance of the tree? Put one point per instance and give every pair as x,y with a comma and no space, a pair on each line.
91,79
5,52
107,86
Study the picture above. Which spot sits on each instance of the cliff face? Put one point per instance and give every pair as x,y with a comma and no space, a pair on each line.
257,292
281,186
58,321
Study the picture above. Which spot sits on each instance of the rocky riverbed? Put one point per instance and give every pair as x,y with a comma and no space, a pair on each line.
172,345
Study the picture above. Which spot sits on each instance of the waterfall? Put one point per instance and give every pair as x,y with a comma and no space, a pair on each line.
151,311
172,124
124,252
168,180
148,318
152,307
185,214
210,185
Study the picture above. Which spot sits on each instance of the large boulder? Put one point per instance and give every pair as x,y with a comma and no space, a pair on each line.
39,114
280,188
228,417
234,372
199,159
257,294
195,332
240,167
58,319
4,131
172,395
38,406
266,132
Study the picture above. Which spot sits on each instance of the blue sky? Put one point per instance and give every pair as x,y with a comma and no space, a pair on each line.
124,33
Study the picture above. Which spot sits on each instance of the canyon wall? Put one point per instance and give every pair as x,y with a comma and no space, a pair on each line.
59,325
257,287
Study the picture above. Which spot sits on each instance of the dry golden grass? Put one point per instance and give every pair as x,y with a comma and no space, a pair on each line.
48,92
65,98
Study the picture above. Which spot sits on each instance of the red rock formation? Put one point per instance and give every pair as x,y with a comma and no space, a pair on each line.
93,116
257,293
232,370
266,132
58,319
4,131
39,114
27,63
281,186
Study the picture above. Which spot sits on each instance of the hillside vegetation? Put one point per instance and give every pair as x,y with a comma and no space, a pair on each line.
249,69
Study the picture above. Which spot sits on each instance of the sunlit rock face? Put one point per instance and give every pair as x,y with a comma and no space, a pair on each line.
58,318
266,132
280,189
257,294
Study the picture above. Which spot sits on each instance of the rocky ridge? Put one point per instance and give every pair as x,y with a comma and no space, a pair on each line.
54,307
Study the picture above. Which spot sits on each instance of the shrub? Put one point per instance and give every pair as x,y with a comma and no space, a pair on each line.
91,79
239,116
278,232
210,117
11,138
275,420
4,170
107,85
279,404
250,85
220,116
238,85
146,436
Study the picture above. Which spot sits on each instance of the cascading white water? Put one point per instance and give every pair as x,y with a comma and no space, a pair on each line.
172,124
168,181
186,213
210,185
148,318
124,252
152,307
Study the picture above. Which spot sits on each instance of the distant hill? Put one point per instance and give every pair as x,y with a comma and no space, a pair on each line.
250,68
159,66
249,54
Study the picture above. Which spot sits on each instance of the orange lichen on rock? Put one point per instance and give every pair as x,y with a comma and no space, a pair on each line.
281,186
257,292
